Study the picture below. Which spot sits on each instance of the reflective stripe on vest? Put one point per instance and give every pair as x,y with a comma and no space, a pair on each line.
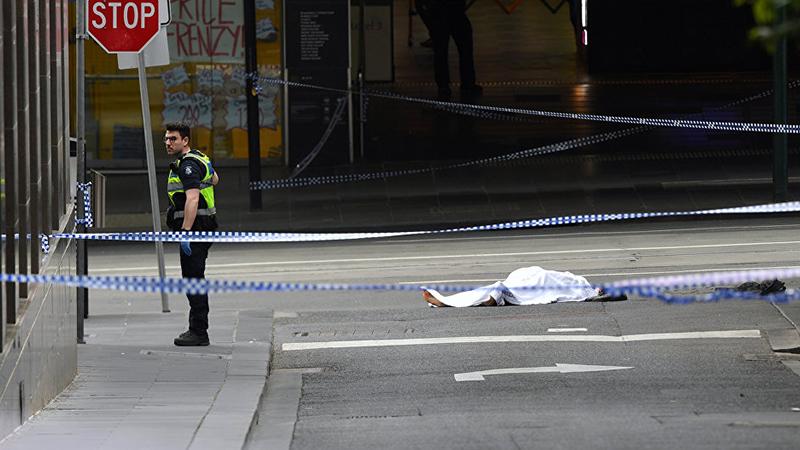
175,186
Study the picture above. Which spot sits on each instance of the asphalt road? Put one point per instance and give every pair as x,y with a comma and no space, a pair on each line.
668,378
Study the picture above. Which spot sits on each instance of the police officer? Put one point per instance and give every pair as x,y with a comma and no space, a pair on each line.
190,188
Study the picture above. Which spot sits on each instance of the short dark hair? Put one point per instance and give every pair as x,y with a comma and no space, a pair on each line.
180,127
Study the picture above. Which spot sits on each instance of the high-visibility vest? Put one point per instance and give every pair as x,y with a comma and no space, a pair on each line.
175,186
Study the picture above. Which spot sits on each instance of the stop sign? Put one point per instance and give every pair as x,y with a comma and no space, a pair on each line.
122,26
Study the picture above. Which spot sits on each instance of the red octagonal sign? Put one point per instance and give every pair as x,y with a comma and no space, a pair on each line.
122,26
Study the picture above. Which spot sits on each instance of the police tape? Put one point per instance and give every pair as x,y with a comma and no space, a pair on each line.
44,241
229,236
572,82
750,127
657,287
239,236
537,151
464,109
337,116
87,219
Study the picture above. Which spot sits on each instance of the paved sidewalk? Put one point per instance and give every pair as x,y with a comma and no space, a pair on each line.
135,389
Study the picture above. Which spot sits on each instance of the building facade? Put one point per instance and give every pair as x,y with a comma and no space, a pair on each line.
37,320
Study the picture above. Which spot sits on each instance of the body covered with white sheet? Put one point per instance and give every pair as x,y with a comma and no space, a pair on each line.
526,286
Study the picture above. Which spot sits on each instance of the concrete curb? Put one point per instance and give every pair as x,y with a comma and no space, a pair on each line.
228,421
785,340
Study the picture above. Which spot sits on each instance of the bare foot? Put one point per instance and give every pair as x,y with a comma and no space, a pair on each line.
431,299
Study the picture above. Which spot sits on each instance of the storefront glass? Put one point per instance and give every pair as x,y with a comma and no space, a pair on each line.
203,86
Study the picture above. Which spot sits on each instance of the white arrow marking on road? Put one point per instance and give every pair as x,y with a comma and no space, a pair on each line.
561,368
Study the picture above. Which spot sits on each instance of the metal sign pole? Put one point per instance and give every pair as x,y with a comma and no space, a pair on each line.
780,171
151,174
80,177
362,68
253,125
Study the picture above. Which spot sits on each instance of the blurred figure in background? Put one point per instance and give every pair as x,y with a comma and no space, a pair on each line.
446,18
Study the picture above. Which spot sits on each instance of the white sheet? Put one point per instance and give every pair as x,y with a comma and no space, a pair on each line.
555,287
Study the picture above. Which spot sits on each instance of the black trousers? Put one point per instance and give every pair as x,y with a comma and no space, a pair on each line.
194,266
446,18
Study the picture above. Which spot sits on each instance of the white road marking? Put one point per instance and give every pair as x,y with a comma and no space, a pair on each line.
403,240
610,274
467,255
560,368
565,330
290,346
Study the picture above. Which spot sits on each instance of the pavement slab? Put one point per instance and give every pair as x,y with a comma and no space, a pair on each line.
135,389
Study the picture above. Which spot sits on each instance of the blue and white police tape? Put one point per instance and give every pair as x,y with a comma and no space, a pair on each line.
536,151
43,238
464,109
692,280
337,116
657,287
250,236
87,219
749,127
229,236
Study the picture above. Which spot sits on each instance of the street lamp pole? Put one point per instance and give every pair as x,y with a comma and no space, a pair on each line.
780,171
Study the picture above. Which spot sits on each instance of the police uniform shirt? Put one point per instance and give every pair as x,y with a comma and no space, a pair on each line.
191,172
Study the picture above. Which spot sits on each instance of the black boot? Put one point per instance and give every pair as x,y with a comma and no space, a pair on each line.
191,339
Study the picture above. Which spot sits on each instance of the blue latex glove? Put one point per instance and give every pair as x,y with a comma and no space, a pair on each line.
186,248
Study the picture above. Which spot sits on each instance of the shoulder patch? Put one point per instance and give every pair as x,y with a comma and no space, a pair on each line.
188,170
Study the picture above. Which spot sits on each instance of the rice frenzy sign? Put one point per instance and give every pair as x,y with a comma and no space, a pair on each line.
204,31
122,26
